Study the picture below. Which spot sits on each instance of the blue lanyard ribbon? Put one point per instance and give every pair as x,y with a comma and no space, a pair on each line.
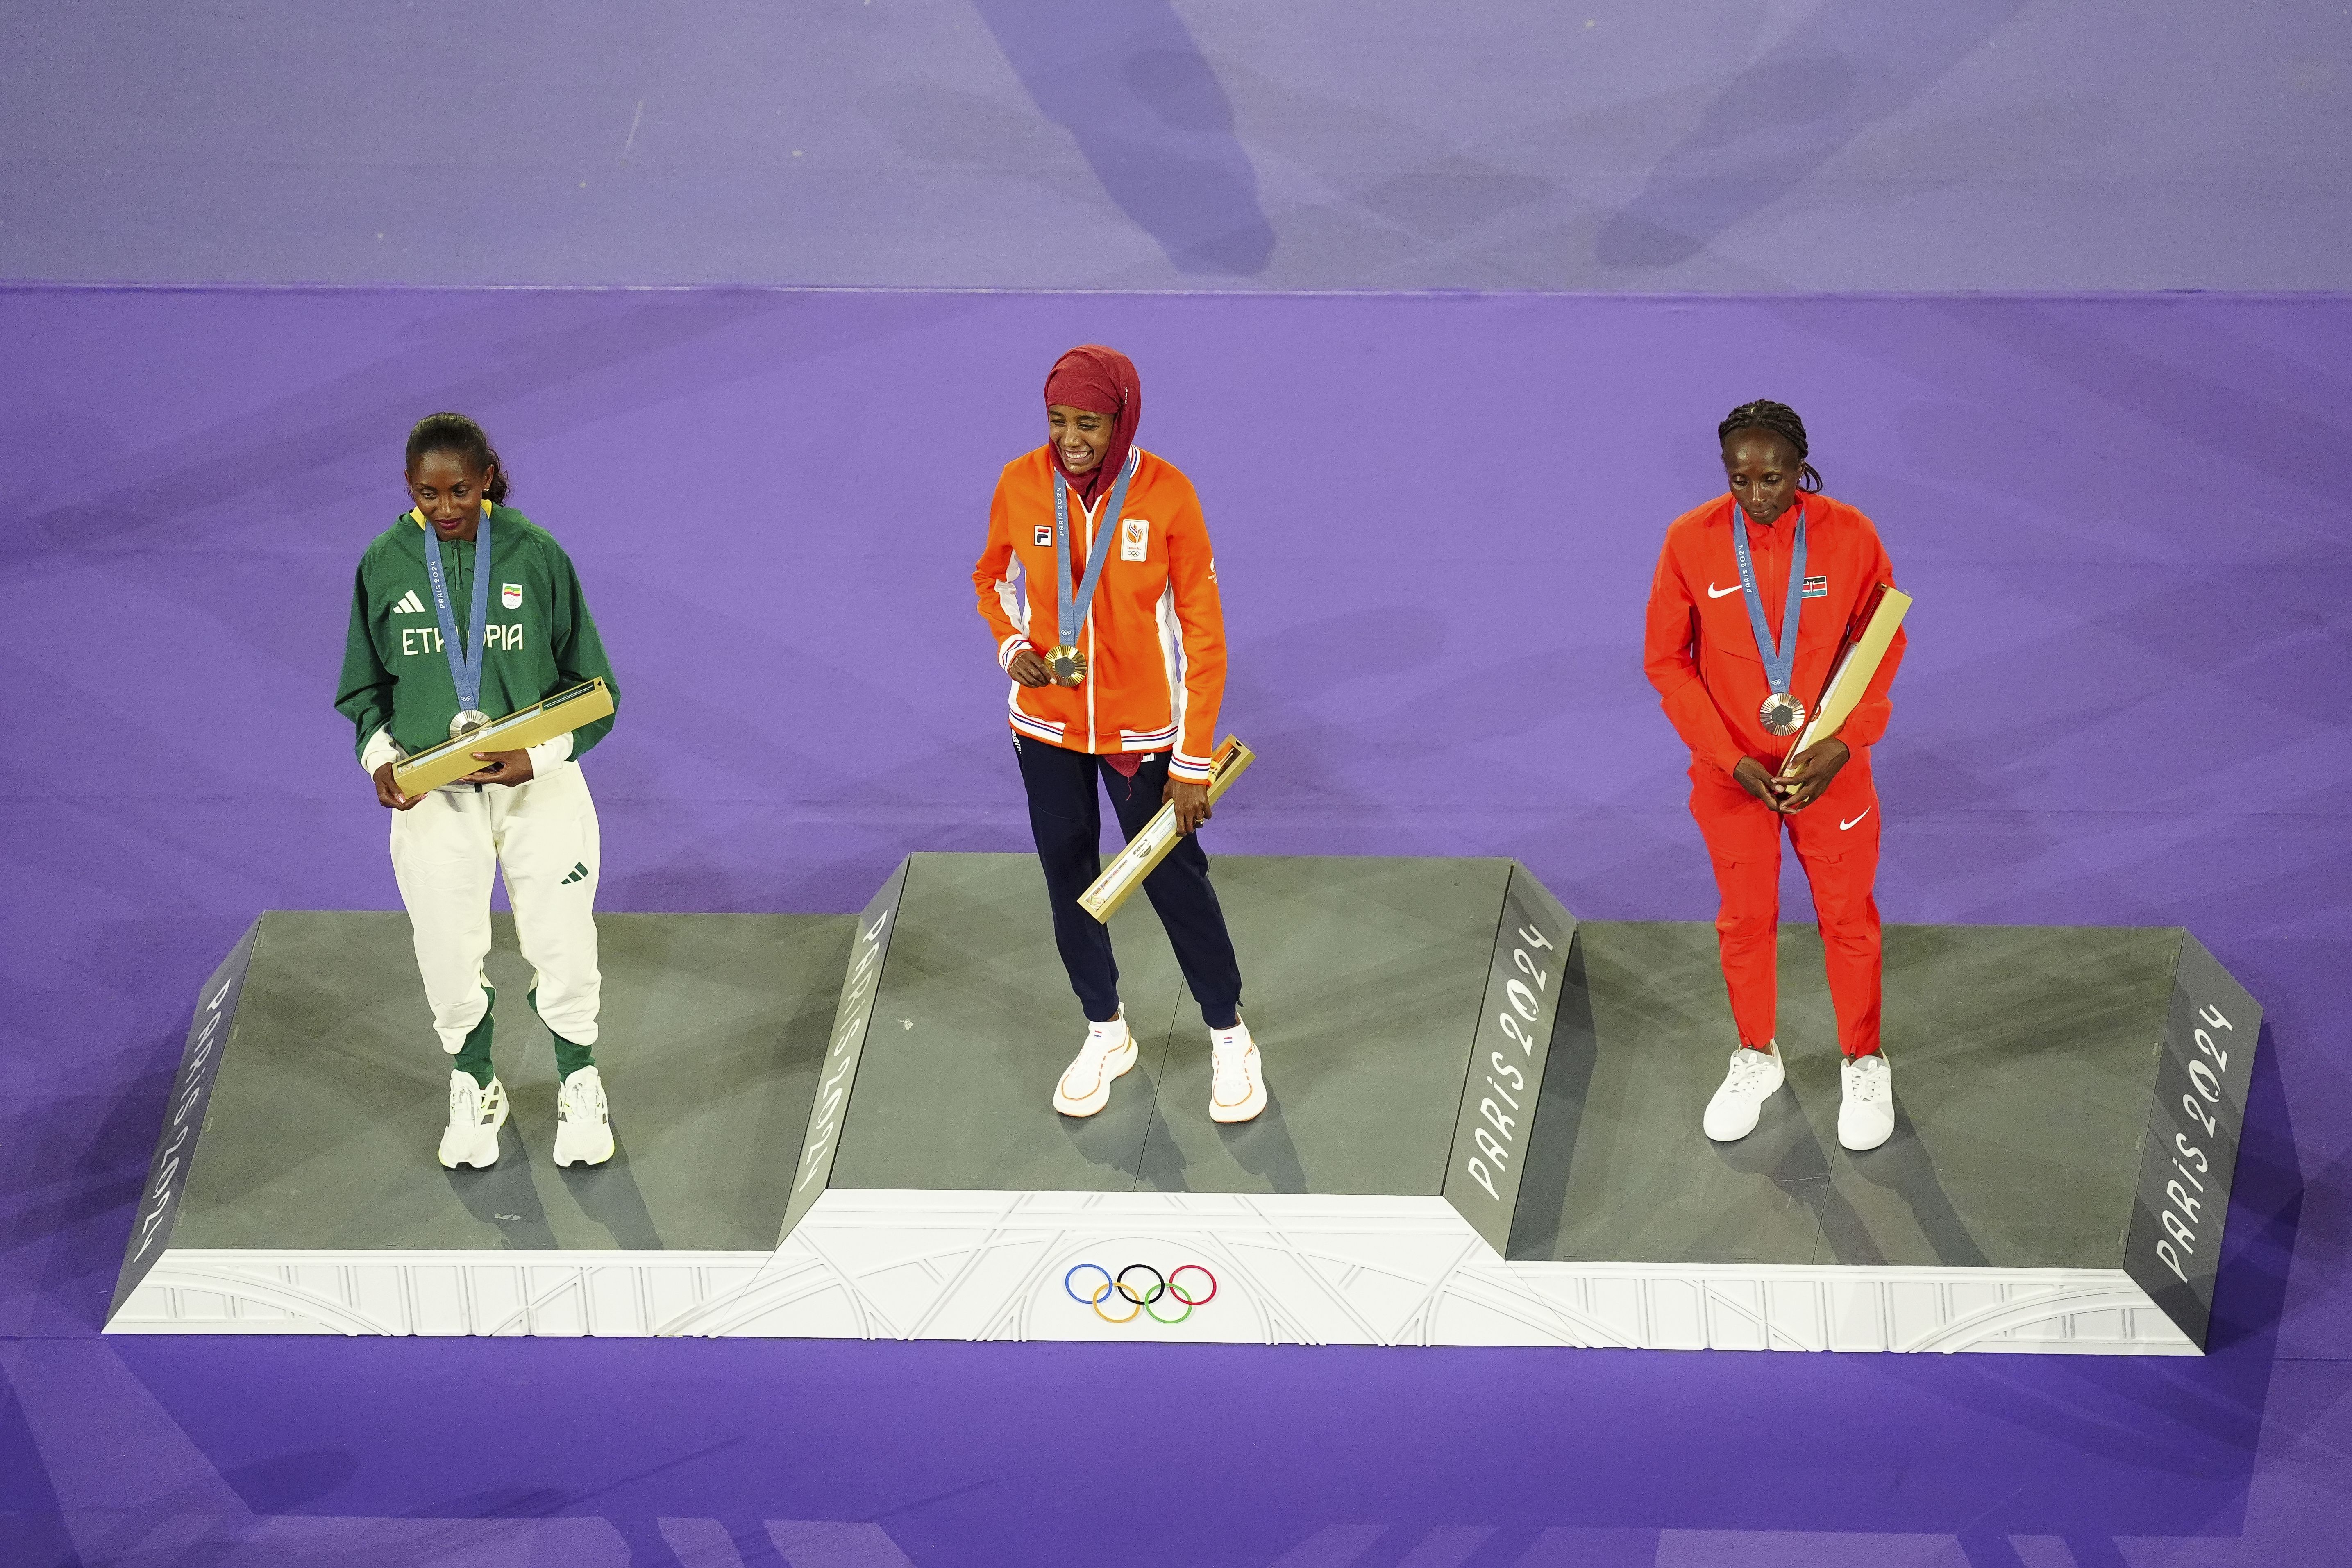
465,667
1780,657
1074,605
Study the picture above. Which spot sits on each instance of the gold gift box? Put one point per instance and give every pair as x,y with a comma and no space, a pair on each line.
452,760
1150,847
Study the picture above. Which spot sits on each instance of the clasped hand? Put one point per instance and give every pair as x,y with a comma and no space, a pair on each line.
497,767
1803,781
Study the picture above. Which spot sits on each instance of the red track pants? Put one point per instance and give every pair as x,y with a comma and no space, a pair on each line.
1836,839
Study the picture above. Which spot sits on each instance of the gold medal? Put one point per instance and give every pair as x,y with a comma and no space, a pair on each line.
1068,665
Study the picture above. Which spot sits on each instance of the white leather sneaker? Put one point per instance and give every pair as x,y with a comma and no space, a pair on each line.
1236,1080
1866,1105
583,1129
1755,1078
1084,1087
477,1111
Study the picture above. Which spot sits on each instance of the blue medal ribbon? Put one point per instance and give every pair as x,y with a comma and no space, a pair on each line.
1073,605
1780,657
464,666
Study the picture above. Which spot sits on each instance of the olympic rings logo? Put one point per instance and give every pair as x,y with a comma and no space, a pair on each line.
1142,1299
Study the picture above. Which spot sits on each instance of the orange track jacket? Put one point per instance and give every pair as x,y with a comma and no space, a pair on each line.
1154,635
1700,651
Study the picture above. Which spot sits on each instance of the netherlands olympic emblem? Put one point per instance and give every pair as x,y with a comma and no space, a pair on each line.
1140,1298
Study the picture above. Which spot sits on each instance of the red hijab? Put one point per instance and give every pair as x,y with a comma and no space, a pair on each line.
1100,381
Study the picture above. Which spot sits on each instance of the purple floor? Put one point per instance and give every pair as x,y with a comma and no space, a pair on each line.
1436,519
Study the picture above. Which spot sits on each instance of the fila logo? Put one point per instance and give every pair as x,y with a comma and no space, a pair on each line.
1816,588
1134,539
1045,536
410,604
511,594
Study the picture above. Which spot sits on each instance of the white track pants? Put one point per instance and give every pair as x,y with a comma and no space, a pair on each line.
544,836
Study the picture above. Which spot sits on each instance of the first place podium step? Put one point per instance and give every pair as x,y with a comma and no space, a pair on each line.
1483,1129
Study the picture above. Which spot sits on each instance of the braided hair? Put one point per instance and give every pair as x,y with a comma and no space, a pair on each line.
456,433
1781,420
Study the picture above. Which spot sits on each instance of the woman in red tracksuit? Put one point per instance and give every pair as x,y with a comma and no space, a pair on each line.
1715,641
1117,678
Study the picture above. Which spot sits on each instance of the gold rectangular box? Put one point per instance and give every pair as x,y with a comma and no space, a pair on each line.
1150,847
1857,663
453,759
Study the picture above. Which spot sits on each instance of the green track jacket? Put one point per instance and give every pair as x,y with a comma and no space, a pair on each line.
540,637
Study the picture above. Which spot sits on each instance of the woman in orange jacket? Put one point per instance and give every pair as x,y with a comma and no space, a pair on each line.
1734,675
1098,583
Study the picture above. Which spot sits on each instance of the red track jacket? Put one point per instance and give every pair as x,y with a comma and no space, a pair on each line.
1699,650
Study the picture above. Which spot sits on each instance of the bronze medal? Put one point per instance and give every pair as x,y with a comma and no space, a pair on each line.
1781,714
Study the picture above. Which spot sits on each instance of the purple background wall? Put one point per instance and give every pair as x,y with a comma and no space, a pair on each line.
1644,144
1435,522
1436,519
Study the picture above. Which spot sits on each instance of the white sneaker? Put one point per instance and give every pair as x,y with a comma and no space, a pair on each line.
1866,1110
1236,1081
583,1132
1084,1087
477,1111
1755,1078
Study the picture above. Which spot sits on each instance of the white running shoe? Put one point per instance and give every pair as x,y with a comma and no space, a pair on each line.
583,1132
477,1111
1755,1078
1084,1087
1866,1108
1236,1080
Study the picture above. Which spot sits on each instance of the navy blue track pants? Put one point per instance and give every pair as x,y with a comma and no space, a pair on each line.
1065,816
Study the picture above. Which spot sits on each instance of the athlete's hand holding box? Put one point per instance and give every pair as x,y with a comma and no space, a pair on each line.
542,721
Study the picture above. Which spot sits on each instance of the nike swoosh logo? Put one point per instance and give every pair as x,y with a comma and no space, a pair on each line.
1714,592
1843,826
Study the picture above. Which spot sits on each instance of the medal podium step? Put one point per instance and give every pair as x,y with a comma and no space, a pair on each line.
1483,1129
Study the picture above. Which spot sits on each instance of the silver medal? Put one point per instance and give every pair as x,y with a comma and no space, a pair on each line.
1781,714
467,723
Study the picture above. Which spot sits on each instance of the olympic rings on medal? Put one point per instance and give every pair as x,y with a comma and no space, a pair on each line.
1142,1299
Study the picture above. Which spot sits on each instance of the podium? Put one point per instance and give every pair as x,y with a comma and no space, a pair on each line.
1483,1129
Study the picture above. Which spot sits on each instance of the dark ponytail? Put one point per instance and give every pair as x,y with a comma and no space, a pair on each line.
456,433
1761,415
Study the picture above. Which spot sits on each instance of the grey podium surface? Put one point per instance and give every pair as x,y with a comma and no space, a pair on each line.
2024,1059
2069,1107
331,1092
1361,981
